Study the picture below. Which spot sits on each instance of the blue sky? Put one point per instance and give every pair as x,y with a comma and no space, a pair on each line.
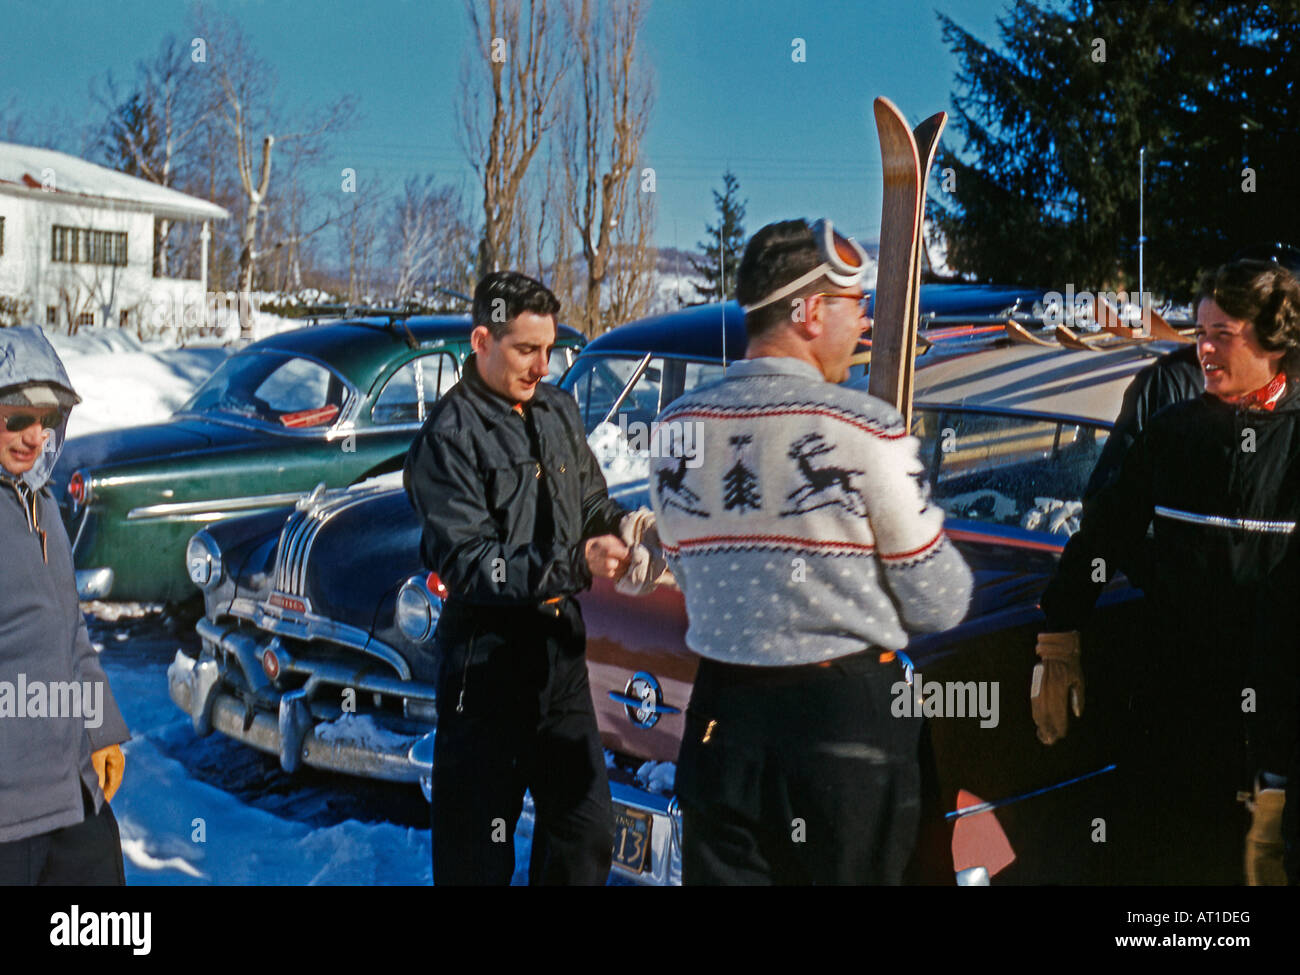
799,136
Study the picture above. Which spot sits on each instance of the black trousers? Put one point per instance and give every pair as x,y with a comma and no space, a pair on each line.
1183,759
515,713
798,775
88,853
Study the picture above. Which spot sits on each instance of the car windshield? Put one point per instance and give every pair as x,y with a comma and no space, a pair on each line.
1007,469
598,382
272,387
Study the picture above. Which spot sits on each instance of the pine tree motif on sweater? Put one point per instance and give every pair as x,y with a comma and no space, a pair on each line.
741,483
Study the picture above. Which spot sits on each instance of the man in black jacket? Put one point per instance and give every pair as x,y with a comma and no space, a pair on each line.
1215,683
516,521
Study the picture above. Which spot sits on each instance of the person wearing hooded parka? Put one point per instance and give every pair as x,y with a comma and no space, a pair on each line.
60,727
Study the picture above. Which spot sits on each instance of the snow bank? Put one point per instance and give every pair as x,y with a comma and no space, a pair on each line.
124,382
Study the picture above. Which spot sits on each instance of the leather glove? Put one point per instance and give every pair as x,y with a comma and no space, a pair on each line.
109,764
648,567
1057,679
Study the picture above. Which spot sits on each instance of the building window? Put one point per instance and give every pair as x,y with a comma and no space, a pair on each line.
51,314
86,318
77,245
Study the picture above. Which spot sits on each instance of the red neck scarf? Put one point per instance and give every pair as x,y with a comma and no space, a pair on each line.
1264,398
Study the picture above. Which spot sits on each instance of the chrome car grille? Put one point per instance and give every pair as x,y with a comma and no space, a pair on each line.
299,535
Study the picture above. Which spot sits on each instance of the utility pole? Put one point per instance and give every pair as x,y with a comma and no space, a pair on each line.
1142,153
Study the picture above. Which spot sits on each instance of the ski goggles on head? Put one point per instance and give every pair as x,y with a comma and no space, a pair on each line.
843,261
21,421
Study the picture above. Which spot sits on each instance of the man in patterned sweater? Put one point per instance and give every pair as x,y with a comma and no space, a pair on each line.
800,532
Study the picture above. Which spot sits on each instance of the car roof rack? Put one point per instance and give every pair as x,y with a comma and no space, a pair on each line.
316,312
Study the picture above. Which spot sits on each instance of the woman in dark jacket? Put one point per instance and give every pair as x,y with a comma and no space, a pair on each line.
1214,684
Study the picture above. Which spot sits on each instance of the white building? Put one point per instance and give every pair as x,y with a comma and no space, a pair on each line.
77,243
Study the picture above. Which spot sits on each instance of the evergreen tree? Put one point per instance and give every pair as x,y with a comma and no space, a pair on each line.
729,232
130,142
1045,187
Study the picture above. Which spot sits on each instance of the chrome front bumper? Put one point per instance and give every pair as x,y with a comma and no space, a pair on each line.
294,734
197,687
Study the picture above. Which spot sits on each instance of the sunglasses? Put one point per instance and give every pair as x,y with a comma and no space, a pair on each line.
21,421
863,300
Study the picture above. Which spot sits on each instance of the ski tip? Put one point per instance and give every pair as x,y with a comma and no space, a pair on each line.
1071,341
1018,333
885,108
1161,329
934,124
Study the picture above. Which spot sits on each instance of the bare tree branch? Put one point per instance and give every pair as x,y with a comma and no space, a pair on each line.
244,97
599,149
509,85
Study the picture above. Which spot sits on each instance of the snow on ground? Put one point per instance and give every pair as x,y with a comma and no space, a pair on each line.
178,829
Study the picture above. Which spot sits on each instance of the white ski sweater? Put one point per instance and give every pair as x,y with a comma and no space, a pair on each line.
794,514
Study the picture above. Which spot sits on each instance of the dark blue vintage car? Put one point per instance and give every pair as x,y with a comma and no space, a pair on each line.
317,639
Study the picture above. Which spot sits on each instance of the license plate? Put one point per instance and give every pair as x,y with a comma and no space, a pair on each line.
631,838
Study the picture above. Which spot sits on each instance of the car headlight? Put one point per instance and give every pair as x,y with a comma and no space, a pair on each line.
418,607
203,561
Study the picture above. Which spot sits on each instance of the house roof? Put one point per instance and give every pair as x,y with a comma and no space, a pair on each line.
79,181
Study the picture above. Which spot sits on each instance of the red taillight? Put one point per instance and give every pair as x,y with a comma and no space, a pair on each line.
77,488
435,585
270,664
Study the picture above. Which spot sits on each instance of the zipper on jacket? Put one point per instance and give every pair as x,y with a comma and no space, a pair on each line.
464,677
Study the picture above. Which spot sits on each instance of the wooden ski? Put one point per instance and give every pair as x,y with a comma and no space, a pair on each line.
1018,333
1108,318
1069,340
926,135
898,278
1161,329
1107,338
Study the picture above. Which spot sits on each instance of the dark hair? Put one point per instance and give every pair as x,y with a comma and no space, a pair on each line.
1265,294
502,296
774,257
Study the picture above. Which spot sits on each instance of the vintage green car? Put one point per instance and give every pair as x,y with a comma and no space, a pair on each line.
334,403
